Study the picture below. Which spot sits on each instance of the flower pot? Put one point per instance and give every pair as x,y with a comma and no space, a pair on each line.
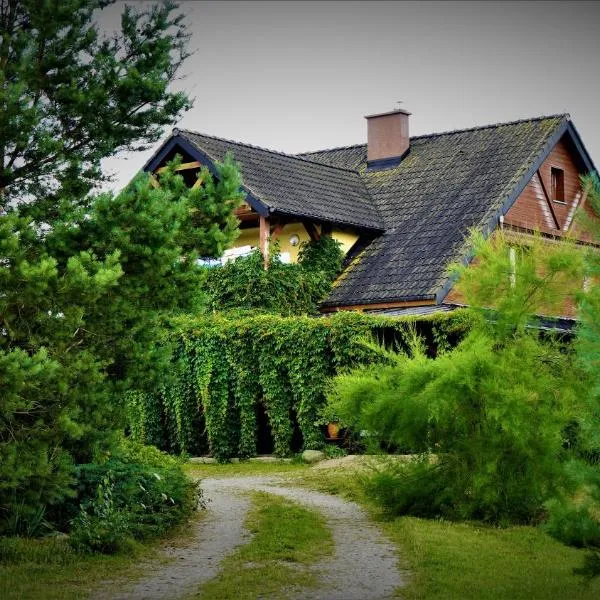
333,430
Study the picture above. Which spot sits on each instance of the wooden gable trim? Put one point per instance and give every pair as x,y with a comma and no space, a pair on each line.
381,305
196,164
179,141
548,200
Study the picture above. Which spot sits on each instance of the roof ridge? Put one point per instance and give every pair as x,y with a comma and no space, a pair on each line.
493,125
331,149
271,151
448,132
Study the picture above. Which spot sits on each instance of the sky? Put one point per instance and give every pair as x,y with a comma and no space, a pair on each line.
299,76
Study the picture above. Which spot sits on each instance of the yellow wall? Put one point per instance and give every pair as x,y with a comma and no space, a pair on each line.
250,237
346,237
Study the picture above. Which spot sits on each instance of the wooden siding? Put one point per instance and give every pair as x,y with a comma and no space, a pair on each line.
568,307
535,209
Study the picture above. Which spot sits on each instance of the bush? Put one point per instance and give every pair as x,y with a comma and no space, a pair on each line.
286,289
494,409
138,493
417,488
493,413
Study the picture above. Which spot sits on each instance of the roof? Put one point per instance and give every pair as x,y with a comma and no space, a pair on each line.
414,217
448,183
293,185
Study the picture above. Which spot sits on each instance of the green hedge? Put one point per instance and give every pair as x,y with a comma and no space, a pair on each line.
225,366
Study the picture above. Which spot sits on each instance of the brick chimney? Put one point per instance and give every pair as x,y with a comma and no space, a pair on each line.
387,138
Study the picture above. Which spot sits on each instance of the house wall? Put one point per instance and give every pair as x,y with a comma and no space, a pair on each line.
568,308
250,237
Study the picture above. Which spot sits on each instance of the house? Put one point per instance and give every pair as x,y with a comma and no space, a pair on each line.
401,206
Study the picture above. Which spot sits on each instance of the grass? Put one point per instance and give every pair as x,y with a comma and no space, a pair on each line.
287,539
467,561
48,568
243,469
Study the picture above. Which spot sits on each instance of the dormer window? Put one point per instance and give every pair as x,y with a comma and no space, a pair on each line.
558,184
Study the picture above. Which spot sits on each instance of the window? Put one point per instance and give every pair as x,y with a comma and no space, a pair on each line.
558,184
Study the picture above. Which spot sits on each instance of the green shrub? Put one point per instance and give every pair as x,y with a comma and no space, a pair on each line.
100,526
138,493
572,523
332,451
417,488
493,413
494,409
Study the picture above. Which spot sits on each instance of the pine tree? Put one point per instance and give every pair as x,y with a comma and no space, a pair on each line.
70,97
588,345
88,282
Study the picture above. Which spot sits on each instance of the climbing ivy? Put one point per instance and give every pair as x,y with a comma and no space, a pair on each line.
285,289
225,367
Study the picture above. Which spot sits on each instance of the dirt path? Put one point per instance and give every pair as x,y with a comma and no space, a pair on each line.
363,566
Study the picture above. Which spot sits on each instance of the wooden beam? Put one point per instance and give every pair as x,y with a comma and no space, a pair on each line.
246,213
197,183
182,167
383,305
548,200
276,231
314,235
264,239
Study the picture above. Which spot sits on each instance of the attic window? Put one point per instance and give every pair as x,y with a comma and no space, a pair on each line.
558,184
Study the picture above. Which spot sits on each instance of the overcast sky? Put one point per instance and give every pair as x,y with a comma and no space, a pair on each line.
296,76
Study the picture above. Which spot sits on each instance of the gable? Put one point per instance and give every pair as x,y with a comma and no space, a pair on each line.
296,187
536,209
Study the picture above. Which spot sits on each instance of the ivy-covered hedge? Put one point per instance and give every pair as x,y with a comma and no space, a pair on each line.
225,367
284,289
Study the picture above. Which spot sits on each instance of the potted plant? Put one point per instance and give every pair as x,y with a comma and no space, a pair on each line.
333,430
332,422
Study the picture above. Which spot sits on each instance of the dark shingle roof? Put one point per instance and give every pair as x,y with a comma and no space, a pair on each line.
446,184
297,186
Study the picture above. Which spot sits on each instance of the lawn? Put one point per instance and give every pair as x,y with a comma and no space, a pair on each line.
467,561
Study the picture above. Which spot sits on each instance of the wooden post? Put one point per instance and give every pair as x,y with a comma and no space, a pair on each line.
548,200
264,239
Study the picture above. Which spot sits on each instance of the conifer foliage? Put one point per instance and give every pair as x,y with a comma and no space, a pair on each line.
87,281
71,96
488,417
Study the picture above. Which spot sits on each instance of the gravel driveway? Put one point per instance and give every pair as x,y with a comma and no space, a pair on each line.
364,565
